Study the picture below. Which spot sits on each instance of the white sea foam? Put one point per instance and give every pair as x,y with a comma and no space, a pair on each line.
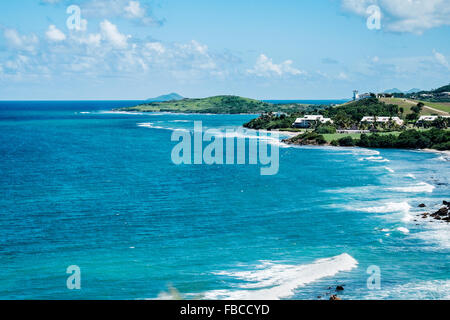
271,281
403,230
152,126
365,152
443,158
418,188
396,210
390,207
400,229
410,175
417,290
374,159
122,112
389,169
435,234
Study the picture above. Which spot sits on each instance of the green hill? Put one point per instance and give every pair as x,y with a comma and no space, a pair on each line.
356,110
218,104
166,97
442,89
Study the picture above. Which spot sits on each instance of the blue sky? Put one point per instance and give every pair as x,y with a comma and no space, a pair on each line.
283,49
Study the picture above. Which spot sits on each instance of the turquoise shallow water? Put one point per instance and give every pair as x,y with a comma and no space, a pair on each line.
81,186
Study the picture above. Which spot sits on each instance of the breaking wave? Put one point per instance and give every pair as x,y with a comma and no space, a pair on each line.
271,281
418,188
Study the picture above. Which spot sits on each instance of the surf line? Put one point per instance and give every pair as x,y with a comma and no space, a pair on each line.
234,153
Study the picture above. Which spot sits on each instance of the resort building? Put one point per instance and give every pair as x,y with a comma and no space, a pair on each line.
397,120
309,120
431,118
357,96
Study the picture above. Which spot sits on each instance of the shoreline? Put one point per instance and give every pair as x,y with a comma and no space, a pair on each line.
329,145
441,152
180,113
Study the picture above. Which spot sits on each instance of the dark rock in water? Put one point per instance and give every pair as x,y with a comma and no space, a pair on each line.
339,288
442,211
445,203
335,297
438,218
422,205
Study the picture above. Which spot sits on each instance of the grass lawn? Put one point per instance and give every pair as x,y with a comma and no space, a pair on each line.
337,136
444,106
406,104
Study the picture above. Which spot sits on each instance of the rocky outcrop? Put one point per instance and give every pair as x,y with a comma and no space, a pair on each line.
443,214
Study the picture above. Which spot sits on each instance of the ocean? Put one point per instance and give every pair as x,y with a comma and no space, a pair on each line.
82,186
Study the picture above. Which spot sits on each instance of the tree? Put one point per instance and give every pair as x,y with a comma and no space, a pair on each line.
412,116
440,123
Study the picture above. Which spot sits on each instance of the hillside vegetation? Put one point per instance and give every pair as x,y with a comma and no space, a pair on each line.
443,108
344,116
218,104
437,139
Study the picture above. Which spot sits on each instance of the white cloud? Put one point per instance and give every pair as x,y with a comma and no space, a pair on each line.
108,53
413,16
342,76
92,39
112,35
265,67
54,34
156,47
19,42
134,10
441,59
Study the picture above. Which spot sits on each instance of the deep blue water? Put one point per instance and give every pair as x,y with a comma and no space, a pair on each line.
83,186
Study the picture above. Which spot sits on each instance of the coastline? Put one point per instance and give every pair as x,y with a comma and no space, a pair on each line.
442,152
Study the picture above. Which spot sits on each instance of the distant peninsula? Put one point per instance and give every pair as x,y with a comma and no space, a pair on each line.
216,105
167,97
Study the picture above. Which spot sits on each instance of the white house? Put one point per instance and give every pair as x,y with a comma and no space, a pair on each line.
308,120
357,96
430,118
364,96
397,120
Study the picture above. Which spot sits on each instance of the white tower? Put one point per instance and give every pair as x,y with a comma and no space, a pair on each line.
355,95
